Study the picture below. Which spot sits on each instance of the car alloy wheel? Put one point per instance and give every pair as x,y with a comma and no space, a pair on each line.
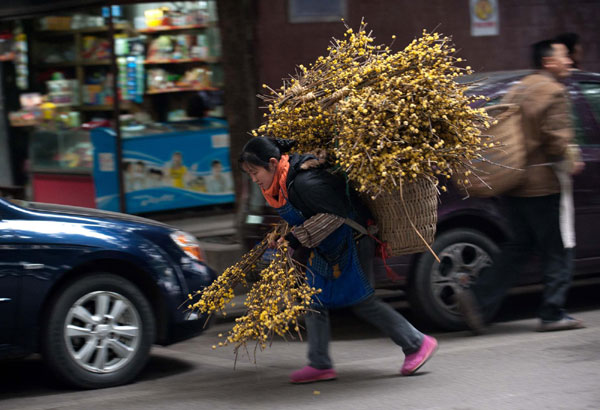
98,331
464,254
102,331
460,265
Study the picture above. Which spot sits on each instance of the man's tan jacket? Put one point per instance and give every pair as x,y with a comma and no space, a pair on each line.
547,128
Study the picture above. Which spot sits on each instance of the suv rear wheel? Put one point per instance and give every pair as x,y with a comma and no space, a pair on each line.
464,254
99,331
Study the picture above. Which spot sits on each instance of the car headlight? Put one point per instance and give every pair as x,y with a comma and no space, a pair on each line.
188,244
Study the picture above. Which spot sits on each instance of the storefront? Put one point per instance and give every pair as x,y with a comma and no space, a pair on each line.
176,165
85,134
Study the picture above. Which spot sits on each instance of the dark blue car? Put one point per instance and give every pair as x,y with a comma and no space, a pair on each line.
92,291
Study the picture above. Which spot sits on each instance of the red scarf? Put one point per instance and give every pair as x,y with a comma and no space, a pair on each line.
276,194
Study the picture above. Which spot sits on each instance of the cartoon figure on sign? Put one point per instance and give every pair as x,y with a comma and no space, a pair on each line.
156,178
218,181
138,180
198,184
128,175
176,171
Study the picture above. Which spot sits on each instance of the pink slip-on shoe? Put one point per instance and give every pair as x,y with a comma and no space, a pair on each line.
415,361
310,374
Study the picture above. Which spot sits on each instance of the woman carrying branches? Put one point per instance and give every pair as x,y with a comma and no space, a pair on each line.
320,208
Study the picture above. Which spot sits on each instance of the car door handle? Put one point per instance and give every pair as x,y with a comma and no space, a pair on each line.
5,300
32,266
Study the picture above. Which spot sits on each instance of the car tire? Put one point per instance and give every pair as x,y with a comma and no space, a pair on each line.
98,332
464,254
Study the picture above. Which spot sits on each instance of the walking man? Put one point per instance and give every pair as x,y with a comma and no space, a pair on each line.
536,212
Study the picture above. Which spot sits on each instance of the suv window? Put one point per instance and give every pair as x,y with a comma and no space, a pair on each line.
580,134
586,114
591,92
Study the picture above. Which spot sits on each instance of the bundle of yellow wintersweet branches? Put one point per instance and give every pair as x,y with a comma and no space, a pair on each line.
274,303
384,117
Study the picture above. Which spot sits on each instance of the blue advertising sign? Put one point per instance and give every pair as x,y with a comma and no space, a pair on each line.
164,171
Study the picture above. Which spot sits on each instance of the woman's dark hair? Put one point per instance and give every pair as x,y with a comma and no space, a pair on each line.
259,150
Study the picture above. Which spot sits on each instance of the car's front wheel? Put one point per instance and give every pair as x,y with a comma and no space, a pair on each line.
464,254
99,331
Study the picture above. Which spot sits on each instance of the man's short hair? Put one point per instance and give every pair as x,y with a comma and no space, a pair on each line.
540,50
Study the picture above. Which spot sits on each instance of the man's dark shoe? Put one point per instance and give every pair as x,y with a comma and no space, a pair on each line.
566,323
467,305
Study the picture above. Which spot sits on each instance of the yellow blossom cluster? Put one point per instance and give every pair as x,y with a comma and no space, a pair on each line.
220,292
273,304
384,118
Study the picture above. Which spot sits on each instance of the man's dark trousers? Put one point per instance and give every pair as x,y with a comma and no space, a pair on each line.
534,222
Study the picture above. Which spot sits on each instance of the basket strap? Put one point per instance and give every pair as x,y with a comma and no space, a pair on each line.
356,226
382,247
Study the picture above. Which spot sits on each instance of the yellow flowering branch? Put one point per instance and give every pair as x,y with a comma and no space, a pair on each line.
385,118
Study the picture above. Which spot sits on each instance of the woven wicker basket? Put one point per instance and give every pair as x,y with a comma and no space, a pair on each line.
503,168
401,214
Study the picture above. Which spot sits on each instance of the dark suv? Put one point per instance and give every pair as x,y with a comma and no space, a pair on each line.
470,230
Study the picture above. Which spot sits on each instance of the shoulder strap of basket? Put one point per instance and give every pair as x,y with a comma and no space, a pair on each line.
356,226
381,247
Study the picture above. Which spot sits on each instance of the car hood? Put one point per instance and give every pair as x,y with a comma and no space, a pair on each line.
89,212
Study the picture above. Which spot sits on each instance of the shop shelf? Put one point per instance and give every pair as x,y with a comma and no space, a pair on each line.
76,63
181,61
103,107
160,29
86,30
24,123
180,90
59,64
96,62
117,27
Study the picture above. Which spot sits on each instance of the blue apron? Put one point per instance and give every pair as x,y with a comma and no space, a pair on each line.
333,266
